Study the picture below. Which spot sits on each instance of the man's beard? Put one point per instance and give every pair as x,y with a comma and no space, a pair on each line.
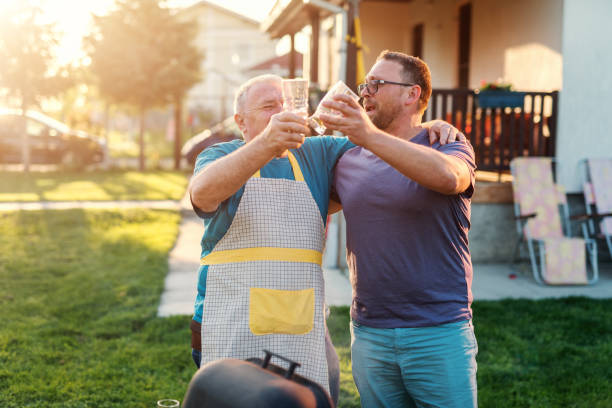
385,116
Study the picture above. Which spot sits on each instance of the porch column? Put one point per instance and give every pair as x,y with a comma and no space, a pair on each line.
314,47
584,117
351,49
292,56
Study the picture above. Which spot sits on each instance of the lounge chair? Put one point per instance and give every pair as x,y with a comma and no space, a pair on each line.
556,258
598,200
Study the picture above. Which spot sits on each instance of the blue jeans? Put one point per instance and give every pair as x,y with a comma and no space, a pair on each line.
333,366
197,357
415,367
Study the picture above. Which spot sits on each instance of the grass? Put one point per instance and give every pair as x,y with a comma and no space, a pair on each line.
546,353
338,324
94,186
78,298
79,294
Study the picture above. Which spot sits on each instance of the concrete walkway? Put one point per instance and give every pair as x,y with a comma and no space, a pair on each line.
491,281
494,282
180,286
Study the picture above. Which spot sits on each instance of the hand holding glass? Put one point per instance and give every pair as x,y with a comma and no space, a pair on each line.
295,95
338,89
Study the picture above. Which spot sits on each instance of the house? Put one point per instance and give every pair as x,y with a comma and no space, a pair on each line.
538,46
556,51
283,65
230,42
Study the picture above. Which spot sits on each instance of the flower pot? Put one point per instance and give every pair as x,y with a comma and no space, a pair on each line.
500,99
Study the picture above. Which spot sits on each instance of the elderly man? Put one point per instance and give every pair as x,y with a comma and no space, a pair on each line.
407,209
264,202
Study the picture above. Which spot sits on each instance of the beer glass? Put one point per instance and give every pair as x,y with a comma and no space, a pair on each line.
338,88
295,96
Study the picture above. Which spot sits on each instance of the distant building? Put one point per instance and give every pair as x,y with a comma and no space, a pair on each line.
230,43
277,65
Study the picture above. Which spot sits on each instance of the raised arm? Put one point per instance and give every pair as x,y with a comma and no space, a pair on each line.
428,167
434,170
222,178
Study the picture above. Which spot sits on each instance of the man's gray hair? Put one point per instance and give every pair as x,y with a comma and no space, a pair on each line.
241,93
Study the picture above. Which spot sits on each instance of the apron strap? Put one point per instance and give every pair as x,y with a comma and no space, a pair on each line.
263,254
297,171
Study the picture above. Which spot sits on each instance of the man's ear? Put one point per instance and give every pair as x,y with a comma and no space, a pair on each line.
413,95
239,119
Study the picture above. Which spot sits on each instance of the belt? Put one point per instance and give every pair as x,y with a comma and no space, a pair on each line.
196,335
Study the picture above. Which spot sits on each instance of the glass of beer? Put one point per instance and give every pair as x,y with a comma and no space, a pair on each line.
338,88
295,96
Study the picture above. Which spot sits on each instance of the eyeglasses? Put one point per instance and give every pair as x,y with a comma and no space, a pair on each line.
372,86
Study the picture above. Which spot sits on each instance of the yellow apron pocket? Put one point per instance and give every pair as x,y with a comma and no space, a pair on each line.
273,311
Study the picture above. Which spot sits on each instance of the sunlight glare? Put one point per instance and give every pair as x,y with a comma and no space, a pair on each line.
73,18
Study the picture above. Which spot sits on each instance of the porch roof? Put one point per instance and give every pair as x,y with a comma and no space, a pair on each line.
290,16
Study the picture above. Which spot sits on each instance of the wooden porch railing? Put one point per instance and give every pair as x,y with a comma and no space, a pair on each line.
500,134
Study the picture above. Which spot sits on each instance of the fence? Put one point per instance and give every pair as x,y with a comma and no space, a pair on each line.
498,134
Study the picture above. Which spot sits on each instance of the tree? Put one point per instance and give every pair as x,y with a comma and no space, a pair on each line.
143,56
28,70
183,73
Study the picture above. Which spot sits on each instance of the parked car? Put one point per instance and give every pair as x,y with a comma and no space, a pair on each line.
51,141
222,132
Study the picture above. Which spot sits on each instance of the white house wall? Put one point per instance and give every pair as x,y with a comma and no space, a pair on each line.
585,117
384,26
389,26
519,41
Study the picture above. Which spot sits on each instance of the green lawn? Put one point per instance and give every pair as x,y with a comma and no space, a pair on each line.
96,186
79,295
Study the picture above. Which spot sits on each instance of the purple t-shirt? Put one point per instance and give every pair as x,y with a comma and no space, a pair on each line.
407,246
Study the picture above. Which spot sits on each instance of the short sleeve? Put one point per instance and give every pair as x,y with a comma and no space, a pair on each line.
205,158
335,147
465,152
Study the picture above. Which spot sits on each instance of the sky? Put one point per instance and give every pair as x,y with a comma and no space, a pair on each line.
73,17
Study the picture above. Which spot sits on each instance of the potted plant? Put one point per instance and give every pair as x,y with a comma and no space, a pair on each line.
499,95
